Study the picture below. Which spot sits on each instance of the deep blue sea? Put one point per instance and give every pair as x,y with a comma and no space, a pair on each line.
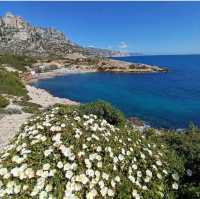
168,100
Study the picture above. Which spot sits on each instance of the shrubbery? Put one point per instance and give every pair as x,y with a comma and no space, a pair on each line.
63,153
3,102
11,84
73,152
11,111
104,110
187,146
30,107
16,61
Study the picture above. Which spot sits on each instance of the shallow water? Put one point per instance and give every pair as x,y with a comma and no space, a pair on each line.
169,100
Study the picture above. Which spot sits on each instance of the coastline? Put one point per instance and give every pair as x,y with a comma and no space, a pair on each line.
38,94
10,124
58,72
45,99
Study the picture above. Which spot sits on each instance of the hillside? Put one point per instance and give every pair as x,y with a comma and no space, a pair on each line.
65,153
88,151
20,37
17,36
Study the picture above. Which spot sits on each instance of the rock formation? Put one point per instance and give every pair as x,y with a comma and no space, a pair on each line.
19,37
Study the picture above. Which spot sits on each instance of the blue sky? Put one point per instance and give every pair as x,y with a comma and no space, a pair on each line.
147,27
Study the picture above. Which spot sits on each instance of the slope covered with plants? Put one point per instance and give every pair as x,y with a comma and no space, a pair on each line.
68,152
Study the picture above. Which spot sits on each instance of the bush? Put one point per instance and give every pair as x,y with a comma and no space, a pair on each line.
29,107
187,146
16,61
64,154
11,84
11,111
190,191
104,110
3,102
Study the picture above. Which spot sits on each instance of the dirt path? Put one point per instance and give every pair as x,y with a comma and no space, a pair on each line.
9,126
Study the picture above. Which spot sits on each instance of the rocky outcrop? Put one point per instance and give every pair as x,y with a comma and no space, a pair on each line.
19,37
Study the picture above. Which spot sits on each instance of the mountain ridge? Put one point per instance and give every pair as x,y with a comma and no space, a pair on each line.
20,37
17,36
111,53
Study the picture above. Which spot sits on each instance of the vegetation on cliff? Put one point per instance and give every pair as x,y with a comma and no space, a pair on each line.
3,102
16,61
11,84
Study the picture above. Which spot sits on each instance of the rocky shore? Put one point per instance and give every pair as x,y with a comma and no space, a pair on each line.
57,72
43,69
11,123
45,99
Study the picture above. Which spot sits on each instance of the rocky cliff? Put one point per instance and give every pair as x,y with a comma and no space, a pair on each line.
19,37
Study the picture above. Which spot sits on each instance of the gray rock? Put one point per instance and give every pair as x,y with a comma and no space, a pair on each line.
19,37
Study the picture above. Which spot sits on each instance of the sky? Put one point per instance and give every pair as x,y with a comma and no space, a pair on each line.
145,27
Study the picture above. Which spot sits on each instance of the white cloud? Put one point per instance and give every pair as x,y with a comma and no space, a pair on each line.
123,44
91,46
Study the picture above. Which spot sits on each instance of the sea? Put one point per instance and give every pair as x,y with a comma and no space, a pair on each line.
163,100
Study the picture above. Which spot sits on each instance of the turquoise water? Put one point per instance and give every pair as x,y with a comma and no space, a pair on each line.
169,100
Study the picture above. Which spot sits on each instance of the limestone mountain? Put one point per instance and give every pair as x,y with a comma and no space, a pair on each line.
17,36
20,37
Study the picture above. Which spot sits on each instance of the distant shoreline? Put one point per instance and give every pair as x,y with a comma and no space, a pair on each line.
57,72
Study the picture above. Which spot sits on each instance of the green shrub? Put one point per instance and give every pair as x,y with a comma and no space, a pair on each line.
187,146
104,110
3,102
29,107
11,111
64,154
16,61
11,84
190,191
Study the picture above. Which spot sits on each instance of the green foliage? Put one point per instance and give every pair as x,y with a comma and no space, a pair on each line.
3,102
62,146
65,109
185,145
104,110
11,84
29,107
190,191
16,61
